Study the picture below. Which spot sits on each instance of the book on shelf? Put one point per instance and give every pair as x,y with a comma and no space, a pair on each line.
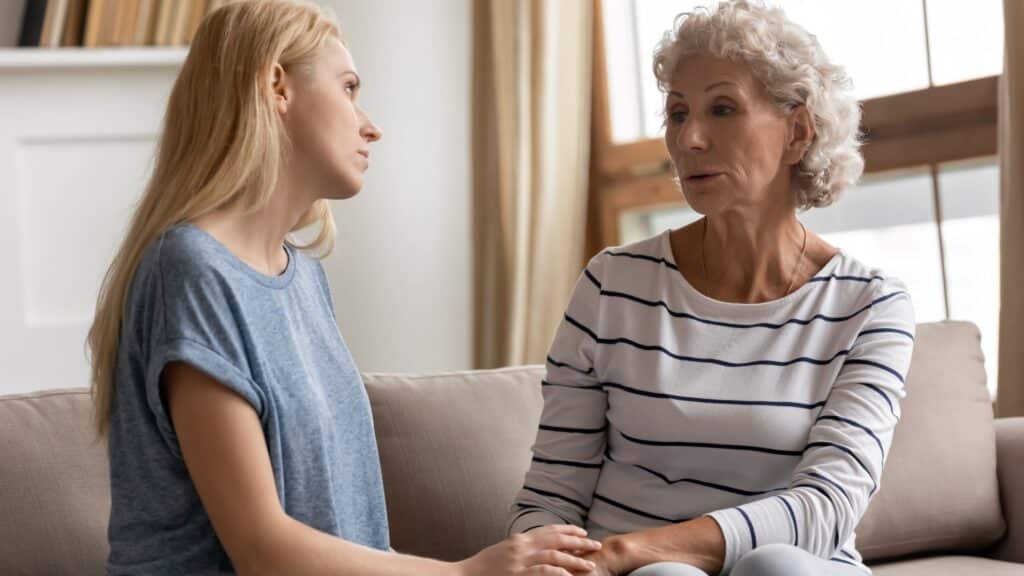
102,23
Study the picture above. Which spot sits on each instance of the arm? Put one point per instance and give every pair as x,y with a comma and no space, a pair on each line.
832,484
225,451
569,449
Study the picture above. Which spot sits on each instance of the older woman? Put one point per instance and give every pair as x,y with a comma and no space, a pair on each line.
721,398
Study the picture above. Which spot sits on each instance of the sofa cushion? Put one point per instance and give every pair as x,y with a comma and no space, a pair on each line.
454,449
949,566
939,490
54,487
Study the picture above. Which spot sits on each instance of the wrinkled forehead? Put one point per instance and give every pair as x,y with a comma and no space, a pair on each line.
697,74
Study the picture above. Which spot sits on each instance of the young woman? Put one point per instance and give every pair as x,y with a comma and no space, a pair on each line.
240,435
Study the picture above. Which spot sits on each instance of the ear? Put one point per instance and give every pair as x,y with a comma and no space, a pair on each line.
280,87
800,135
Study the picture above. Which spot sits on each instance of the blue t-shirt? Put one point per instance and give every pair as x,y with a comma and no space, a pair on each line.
273,341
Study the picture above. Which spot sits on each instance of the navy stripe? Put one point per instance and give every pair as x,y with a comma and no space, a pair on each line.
573,430
792,516
532,528
576,503
876,365
591,387
554,362
643,257
842,561
848,555
832,482
878,440
852,455
882,394
835,533
814,279
753,535
889,330
632,510
652,347
864,279
639,392
770,325
566,463
706,484
592,278
709,445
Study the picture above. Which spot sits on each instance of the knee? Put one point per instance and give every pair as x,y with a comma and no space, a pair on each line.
668,569
773,560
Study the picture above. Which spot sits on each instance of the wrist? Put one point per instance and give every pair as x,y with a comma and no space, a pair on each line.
620,553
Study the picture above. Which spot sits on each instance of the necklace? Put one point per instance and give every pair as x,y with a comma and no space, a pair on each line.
792,275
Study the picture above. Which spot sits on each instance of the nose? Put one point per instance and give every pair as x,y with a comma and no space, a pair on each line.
367,129
692,136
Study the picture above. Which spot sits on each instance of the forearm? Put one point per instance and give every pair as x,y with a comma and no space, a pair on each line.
290,547
698,542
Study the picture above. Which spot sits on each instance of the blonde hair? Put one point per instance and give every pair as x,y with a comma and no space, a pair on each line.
222,144
795,70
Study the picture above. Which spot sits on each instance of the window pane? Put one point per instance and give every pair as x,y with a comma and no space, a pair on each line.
969,193
883,55
888,222
966,41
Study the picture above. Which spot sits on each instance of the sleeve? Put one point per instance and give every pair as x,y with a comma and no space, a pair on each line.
569,448
847,446
195,323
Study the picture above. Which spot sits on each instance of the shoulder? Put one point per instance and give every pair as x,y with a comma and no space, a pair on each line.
647,255
884,292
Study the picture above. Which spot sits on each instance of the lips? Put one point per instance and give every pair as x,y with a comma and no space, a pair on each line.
701,176
365,154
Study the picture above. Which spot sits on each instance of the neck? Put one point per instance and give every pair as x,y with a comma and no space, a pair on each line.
754,256
257,236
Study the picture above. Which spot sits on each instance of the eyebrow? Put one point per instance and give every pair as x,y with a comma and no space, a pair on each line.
708,89
352,72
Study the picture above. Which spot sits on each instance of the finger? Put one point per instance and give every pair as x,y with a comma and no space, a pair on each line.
566,542
545,570
561,559
566,529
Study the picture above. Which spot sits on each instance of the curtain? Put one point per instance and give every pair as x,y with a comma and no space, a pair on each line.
1010,401
531,140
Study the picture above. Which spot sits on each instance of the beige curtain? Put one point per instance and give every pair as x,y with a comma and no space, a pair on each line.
1011,152
531,151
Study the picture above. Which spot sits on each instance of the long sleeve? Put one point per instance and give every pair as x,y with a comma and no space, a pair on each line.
571,439
841,466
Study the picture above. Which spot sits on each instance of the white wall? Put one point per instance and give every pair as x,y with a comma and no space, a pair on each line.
402,270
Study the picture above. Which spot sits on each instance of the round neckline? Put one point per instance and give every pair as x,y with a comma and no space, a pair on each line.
282,280
666,248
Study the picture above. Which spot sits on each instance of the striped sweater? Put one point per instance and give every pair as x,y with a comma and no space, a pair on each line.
662,405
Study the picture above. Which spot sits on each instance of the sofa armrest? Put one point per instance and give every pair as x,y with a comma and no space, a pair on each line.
1010,467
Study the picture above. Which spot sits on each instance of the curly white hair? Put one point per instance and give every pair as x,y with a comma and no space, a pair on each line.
792,65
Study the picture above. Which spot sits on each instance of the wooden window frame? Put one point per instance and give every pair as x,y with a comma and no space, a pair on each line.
911,129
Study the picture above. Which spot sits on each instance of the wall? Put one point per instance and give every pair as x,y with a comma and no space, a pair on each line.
402,270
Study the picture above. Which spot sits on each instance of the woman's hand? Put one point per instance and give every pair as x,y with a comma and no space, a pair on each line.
547,551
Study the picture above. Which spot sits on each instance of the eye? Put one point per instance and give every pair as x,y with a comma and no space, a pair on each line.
676,117
351,88
722,110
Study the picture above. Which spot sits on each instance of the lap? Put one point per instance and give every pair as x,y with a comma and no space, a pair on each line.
769,560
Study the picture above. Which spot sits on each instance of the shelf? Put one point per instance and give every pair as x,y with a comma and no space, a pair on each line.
85,58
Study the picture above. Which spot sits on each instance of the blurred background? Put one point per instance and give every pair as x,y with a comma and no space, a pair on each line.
520,138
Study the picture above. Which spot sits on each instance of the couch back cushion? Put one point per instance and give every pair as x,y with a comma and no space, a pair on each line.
454,450
939,489
54,487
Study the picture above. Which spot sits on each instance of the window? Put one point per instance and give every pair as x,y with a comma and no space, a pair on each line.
927,208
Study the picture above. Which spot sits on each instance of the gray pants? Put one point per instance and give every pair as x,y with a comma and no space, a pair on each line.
768,560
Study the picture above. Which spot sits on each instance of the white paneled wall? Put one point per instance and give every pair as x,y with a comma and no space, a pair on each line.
76,137
77,131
